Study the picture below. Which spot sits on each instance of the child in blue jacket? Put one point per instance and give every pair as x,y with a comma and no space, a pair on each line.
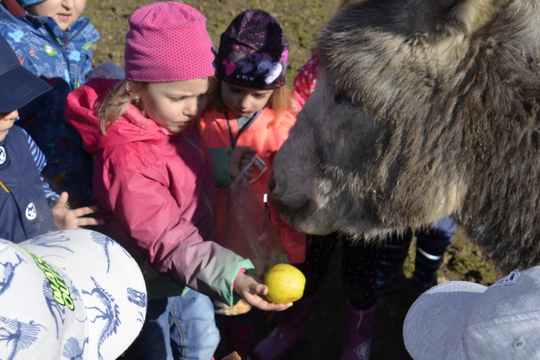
24,206
52,40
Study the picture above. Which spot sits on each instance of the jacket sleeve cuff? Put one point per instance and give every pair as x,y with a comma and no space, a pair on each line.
220,165
246,266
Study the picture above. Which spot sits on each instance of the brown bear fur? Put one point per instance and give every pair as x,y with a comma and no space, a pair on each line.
423,109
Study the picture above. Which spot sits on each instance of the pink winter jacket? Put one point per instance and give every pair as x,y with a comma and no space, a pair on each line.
155,191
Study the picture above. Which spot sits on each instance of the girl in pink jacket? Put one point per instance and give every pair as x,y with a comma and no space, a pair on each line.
153,182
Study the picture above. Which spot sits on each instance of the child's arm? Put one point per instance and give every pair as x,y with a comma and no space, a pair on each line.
41,162
65,219
161,226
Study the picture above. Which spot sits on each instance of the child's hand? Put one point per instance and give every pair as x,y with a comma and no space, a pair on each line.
65,218
252,291
239,158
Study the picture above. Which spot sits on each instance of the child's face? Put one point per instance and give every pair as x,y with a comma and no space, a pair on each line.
6,122
174,105
64,12
243,100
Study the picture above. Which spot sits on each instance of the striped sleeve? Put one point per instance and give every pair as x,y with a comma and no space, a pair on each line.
40,161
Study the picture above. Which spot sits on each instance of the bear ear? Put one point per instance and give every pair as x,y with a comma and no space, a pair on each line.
451,16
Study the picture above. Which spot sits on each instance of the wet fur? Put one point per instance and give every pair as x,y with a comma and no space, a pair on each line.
423,109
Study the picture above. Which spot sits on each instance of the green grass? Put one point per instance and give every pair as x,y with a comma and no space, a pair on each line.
473,268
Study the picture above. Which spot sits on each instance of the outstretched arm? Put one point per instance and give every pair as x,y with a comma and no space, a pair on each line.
65,218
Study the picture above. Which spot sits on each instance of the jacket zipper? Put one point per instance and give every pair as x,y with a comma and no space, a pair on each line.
4,187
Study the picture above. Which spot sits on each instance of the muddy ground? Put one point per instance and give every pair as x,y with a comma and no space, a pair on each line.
301,19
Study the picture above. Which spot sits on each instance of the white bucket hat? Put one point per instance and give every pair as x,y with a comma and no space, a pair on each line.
463,320
69,294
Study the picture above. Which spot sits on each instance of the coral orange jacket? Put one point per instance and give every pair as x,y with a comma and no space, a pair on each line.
220,130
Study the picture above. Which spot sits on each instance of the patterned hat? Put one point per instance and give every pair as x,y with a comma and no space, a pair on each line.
73,294
253,51
168,42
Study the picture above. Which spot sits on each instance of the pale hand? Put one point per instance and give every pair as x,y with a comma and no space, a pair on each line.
65,218
253,292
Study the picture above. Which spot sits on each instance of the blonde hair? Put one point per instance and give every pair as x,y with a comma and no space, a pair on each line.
280,101
115,103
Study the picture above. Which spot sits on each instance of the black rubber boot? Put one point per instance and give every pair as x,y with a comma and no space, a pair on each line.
390,276
425,271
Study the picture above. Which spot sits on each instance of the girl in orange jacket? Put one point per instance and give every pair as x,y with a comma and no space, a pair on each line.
250,106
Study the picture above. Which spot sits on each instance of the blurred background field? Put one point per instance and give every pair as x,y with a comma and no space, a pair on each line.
300,20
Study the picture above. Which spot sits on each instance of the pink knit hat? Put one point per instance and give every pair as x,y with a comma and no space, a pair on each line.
168,41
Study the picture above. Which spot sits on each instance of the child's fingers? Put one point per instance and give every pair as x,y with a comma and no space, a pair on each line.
85,211
241,152
258,288
265,305
263,291
246,159
245,162
278,307
62,201
86,221
79,214
248,174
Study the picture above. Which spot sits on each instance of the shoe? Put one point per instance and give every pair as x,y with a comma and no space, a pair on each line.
287,333
357,342
425,271
390,276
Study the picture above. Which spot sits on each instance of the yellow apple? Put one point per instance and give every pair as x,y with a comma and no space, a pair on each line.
285,283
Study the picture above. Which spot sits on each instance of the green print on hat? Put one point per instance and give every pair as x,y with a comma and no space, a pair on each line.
61,293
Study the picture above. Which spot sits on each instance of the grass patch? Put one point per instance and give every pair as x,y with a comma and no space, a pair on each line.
467,261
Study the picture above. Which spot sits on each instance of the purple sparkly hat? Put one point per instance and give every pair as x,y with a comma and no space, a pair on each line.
253,51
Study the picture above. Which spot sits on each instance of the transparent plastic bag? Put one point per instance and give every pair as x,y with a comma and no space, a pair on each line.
243,226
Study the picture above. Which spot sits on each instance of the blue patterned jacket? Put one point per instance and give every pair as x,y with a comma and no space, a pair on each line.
62,60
